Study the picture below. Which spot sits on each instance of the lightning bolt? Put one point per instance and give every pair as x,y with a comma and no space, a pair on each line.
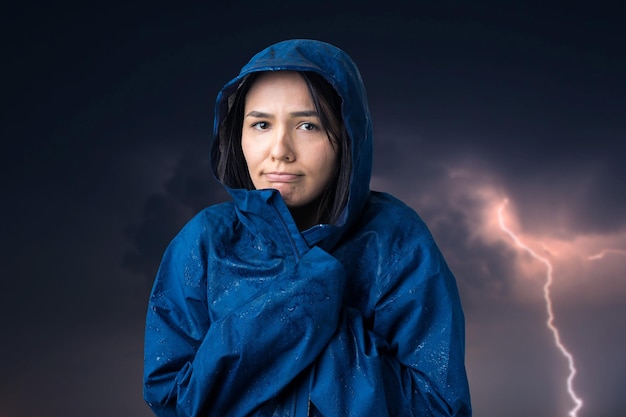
550,321
606,252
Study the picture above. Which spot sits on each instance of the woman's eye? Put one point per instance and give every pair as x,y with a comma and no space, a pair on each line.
308,126
260,125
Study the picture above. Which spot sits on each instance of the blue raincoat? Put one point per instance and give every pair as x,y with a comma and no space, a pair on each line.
251,317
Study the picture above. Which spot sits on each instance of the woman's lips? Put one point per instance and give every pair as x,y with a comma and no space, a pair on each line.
281,177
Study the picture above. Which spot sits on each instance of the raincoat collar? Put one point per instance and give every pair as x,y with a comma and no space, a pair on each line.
338,69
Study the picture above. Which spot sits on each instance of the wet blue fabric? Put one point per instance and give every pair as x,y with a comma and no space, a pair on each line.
249,316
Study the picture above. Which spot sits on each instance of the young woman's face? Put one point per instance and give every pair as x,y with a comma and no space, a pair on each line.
283,141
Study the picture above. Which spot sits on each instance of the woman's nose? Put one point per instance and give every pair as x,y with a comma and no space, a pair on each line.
282,149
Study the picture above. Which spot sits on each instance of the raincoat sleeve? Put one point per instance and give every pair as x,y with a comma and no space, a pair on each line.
409,359
231,366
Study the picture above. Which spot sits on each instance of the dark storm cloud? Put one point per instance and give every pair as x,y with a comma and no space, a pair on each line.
485,268
190,189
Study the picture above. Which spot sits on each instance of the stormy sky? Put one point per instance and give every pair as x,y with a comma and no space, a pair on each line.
479,110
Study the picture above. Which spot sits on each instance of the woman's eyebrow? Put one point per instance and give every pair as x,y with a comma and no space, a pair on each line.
301,113
258,114
304,113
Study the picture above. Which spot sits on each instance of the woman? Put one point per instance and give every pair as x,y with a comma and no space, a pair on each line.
307,294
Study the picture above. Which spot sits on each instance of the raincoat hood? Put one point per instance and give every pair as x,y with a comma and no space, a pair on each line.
338,69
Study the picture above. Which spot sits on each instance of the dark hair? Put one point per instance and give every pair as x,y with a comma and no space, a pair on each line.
232,169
